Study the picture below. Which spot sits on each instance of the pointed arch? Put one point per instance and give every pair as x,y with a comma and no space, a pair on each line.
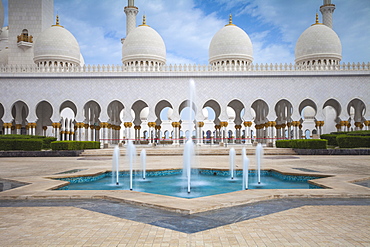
238,106
138,108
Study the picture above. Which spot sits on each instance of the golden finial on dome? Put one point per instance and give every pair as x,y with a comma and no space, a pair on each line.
144,22
230,20
317,20
57,22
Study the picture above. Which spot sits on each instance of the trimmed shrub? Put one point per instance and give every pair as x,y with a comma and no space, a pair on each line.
29,144
310,144
74,145
21,144
359,133
348,141
7,144
283,144
302,144
45,140
332,139
15,137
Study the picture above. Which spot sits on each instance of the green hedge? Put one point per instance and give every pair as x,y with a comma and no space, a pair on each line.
359,133
21,144
74,145
302,144
45,140
283,144
331,138
348,141
354,139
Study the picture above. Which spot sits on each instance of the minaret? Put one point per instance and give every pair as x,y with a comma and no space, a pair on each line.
131,12
327,11
1,15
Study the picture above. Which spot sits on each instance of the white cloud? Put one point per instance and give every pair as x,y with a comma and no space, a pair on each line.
187,31
264,52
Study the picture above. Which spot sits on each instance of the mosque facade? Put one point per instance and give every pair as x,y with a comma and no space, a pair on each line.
42,73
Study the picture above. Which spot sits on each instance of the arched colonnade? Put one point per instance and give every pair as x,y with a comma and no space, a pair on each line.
211,122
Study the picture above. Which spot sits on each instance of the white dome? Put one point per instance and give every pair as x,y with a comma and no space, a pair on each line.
56,44
309,112
318,43
143,44
229,44
144,113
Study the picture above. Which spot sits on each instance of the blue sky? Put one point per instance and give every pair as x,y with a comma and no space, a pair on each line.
187,26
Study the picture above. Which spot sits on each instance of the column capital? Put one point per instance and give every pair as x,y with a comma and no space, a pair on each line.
200,124
7,125
80,125
247,124
151,124
224,124
127,124
359,125
176,124
55,125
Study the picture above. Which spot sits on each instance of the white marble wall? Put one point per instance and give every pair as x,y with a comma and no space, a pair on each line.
33,15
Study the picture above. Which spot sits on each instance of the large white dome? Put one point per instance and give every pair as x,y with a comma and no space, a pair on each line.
230,44
56,45
143,45
318,44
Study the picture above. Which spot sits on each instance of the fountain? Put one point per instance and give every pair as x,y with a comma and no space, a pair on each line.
259,153
245,161
188,160
205,183
131,153
143,162
232,162
115,166
189,145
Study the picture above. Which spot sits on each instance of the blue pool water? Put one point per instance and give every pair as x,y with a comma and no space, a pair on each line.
203,182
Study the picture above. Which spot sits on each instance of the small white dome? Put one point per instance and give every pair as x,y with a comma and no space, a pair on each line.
318,43
230,113
143,44
309,112
57,44
229,44
144,113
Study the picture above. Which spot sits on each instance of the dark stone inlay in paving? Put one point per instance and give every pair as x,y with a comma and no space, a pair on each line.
305,169
188,223
70,171
277,157
365,183
10,184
